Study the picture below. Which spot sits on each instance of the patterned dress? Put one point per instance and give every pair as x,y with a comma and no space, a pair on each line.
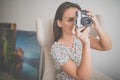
61,54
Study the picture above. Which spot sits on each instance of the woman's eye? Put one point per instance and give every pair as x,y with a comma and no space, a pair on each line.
71,20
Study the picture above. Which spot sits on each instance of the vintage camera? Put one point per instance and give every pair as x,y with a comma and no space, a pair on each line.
82,19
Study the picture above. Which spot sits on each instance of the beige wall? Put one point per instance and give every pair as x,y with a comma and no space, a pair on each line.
26,12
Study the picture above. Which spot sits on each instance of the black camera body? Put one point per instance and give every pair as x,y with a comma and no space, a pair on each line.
82,19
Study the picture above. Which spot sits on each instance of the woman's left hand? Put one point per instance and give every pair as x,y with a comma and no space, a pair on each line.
82,33
94,18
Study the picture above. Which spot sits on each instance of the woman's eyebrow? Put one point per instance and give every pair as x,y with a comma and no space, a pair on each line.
70,17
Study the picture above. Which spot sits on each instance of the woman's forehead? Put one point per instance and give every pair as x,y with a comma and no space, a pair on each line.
70,12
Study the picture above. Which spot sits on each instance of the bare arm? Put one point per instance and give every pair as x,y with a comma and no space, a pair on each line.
83,71
104,41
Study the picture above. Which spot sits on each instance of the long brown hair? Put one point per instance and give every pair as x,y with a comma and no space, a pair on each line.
57,31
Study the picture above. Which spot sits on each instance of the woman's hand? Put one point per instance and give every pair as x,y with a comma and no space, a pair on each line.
83,34
104,41
95,20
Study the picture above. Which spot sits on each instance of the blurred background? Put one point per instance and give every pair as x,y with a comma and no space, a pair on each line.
25,13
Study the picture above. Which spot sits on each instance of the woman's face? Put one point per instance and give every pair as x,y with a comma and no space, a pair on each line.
67,21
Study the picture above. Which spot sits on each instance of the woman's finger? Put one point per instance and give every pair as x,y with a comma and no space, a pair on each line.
73,30
82,28
86,31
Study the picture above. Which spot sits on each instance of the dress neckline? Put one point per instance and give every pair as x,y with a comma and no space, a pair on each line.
60,44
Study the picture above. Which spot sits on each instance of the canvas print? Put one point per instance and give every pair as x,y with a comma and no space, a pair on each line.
26,58
7,47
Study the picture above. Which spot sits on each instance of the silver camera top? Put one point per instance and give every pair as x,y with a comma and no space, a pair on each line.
82,19
78,19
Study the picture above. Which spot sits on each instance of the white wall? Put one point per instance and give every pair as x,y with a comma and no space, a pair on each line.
25,13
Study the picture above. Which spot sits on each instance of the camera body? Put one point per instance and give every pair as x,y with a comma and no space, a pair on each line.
82,19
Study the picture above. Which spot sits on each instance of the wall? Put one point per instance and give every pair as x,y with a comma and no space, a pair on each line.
25,13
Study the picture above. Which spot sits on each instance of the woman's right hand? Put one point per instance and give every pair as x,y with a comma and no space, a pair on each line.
83,34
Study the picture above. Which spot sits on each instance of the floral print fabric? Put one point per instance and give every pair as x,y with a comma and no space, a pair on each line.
61,54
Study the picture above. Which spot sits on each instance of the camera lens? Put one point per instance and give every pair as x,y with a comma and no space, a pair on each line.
86,21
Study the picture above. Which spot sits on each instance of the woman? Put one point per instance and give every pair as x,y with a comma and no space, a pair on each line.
71,48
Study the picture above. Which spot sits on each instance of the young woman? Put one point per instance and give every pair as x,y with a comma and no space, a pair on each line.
71,48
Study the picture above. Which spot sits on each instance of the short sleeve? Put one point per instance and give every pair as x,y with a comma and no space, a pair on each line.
59,55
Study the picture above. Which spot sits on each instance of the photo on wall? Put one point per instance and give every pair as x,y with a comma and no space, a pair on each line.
27,45
25,58
7,46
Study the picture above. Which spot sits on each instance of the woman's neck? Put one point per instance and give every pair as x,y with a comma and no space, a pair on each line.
67,40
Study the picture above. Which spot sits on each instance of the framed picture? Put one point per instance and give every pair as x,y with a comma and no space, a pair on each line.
25,57
7,46
27,45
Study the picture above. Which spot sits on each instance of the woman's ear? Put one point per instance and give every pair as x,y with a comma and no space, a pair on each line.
59,23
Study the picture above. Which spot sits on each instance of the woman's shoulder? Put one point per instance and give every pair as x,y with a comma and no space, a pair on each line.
57,46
